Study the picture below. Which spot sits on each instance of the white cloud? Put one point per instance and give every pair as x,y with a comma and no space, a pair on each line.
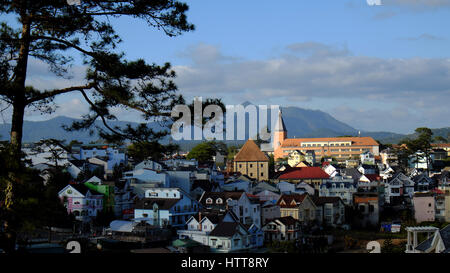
321,75
313,71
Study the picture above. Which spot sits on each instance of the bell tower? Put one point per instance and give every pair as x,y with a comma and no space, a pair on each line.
279,133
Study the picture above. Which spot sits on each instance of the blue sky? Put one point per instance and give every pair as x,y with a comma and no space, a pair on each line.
376,68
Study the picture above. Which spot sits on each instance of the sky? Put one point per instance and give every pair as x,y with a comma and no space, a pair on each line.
375,65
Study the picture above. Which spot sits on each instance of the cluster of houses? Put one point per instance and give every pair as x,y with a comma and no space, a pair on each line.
244,206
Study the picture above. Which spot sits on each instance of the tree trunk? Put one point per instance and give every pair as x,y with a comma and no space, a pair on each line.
19,104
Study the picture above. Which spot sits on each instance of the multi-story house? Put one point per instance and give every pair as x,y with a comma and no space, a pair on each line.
295,157
266,192
267,195
424,207
367,205
339,186
111,155
442,200
397,188
368,182
82,202
222,232
389,157
269,210
165,206
106,188
282,229
142,179
124,200
183,178
246,208
299,206
330,210
367,158
150,165
444,146
422,182
251,161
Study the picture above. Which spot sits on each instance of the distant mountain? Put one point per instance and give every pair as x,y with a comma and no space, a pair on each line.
34,131
396,138
313,123
299,122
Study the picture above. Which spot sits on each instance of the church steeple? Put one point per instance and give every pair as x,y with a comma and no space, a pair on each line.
279,126
279,132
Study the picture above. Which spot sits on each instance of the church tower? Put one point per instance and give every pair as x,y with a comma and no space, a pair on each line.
279,133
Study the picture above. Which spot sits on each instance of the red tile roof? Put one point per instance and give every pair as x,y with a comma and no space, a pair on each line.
441,145
356,141
304,173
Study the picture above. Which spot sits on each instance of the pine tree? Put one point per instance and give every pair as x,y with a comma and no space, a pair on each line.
51,31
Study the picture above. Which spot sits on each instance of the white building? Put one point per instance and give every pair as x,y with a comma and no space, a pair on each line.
397,187
246,208
367,158
111,155
165,206
150,165
338,186
330,170
222,233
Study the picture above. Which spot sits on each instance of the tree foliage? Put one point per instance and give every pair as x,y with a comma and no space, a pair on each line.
419,147
205,151
56,34
140,151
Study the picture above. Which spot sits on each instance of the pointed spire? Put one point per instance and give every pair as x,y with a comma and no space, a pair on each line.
279,126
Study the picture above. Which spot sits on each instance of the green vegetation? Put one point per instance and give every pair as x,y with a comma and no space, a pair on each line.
205,151
143,150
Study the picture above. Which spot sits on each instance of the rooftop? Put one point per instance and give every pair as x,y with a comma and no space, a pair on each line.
250,152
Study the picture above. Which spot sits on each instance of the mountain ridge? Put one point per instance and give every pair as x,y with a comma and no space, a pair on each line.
300,123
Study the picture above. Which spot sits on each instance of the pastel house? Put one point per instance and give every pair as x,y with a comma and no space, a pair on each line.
424,207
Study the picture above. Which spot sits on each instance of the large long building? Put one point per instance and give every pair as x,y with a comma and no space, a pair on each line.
341,148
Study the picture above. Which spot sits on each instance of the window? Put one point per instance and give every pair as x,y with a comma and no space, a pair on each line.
251,165
219,201
240,166
371,208
429,204
251,174
209,201
262,174
145,215
262,165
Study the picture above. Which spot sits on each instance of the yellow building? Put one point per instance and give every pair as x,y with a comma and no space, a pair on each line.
295,157
251,161
299,206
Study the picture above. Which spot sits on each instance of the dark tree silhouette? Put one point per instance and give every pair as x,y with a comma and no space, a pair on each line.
52,31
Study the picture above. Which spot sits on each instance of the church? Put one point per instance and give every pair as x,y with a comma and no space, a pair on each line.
340,148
